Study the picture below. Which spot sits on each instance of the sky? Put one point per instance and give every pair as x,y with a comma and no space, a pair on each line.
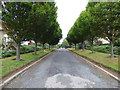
68,11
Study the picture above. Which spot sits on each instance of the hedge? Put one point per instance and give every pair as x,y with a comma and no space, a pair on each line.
105,49
23,49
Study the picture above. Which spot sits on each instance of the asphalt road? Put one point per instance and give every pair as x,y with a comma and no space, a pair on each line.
63,70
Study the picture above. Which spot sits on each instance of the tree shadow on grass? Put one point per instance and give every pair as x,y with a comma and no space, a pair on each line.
19,60
110,57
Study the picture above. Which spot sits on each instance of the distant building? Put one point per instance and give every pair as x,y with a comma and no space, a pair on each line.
30,43
103,41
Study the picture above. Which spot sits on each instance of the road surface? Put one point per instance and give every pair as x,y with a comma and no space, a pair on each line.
62,70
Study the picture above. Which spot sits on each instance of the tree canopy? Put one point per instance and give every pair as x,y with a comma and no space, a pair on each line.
99,20
14,19
31,21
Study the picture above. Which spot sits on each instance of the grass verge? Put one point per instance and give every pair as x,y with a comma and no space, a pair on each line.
101,58
9,65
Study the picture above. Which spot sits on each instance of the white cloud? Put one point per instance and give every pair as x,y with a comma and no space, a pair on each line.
68,12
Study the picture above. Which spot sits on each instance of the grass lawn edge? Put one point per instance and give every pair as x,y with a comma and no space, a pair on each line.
11,73
95,62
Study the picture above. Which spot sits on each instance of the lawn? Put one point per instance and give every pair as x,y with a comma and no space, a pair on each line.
101,58
9,65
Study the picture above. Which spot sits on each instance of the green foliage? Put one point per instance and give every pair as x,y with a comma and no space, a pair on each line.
73,35
88,47
99,20
117,42
43,25
9,65
43,22
14,19
24,49
104,49
101,58
83,25
31,21
6,53
64,43
56,35
83,29
98,42
107,16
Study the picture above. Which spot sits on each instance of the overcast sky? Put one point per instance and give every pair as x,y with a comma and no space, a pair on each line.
68,12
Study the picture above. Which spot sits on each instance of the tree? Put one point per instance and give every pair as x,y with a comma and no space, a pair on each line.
51,26
83,27
56,36
14,19
54,32
91,25
36,23
65,43
43,16
71,37
79,30
108,16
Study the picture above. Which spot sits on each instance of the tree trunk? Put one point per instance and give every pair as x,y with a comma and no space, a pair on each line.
112,54
83,46
35,53
49,46
92,47
43,47
75,46
78,46
18,52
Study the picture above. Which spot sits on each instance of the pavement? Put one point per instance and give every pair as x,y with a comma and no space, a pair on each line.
63,70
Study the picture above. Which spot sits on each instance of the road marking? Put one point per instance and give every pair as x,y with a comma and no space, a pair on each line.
15,75
100,68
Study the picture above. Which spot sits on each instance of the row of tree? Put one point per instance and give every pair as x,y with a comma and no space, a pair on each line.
99,20
31,21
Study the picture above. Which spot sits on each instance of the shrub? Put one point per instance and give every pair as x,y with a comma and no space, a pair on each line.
23,49
88,47
117,42
104,49
8,53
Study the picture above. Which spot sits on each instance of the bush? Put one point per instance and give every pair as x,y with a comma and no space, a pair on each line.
23,49
8,53
104,49
26,49
117,42
88,47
